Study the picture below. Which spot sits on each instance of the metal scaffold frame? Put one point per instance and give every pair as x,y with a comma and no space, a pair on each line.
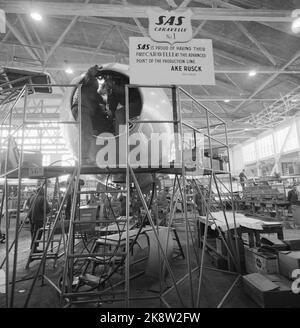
19,173
65,290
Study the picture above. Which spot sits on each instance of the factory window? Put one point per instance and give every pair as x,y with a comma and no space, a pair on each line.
288,168
287,138
46,160
292,139
249,152
265,146
280,136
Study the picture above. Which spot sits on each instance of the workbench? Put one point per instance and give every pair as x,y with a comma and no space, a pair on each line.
264,206
245,225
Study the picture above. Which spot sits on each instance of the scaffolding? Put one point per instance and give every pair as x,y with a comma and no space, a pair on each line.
15,123
118,260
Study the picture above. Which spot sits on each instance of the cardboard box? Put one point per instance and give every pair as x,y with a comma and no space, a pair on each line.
274,244
288,261
270,291
294,244
260,261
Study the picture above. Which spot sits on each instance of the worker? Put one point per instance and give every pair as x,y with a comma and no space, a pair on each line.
293,202
92,105
293,196
199,201
36,217
243,177
122,200
28,201
114,89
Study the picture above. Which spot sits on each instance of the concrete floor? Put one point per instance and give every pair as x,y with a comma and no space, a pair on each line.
215,284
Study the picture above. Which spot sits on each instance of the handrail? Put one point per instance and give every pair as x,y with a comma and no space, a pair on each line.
197,102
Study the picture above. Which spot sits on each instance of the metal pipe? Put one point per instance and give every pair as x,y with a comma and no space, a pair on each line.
219,270
165,302
225,216
155,233
48,122
9,113
219,230
197,102
203,246
127,269
189,228
179,282
14,271
206,135
228,292
117,299
6,209
87,255
52,85
156,121
68,268
233,205
47,246
12,244
172,213
44,226
188,258
8,173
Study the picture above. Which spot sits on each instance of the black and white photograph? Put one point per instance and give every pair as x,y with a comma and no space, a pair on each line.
149,159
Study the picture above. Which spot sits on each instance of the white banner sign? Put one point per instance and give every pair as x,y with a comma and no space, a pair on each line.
170,26
2,21
162,63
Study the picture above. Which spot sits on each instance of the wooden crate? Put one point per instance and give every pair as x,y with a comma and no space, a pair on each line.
270,291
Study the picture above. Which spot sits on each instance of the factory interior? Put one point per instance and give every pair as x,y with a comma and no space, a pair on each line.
125,186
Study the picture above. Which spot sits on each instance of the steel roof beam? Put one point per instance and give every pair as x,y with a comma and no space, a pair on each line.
130,11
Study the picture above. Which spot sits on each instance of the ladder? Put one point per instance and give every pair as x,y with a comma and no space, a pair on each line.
94,264
43,234
2,235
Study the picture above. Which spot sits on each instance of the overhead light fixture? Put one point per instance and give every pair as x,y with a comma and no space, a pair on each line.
296,21
296,25
36,16
227,100
69,70
252,73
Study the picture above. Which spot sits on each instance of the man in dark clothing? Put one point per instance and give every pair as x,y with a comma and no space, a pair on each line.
93,116
37,217
114,88
29,200
243,178
293,196
293,200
